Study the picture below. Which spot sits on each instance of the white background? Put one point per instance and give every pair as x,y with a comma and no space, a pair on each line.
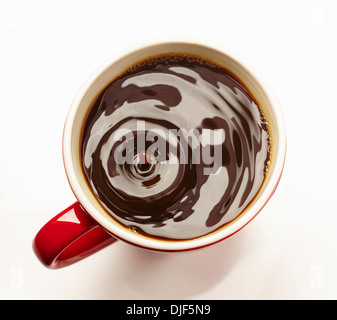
47,50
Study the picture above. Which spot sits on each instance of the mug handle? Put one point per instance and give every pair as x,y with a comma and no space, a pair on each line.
69,237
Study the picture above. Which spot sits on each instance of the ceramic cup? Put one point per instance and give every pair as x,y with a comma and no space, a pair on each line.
85,227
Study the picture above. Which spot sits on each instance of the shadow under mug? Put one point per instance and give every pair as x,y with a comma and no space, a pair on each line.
85,227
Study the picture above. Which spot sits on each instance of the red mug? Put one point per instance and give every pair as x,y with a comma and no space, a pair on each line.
85,227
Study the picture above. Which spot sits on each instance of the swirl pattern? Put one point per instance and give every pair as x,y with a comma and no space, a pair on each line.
175,150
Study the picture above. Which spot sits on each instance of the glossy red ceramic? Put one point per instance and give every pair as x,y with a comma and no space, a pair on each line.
74,234
69,237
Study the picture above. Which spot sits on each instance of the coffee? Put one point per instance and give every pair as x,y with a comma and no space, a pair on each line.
175,147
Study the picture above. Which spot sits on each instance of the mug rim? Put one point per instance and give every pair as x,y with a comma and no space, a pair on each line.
111,225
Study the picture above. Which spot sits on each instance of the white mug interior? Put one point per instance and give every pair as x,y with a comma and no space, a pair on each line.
255,83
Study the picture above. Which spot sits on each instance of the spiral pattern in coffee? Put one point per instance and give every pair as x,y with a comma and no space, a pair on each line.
175,148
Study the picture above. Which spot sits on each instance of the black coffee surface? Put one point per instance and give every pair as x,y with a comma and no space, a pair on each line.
149,155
